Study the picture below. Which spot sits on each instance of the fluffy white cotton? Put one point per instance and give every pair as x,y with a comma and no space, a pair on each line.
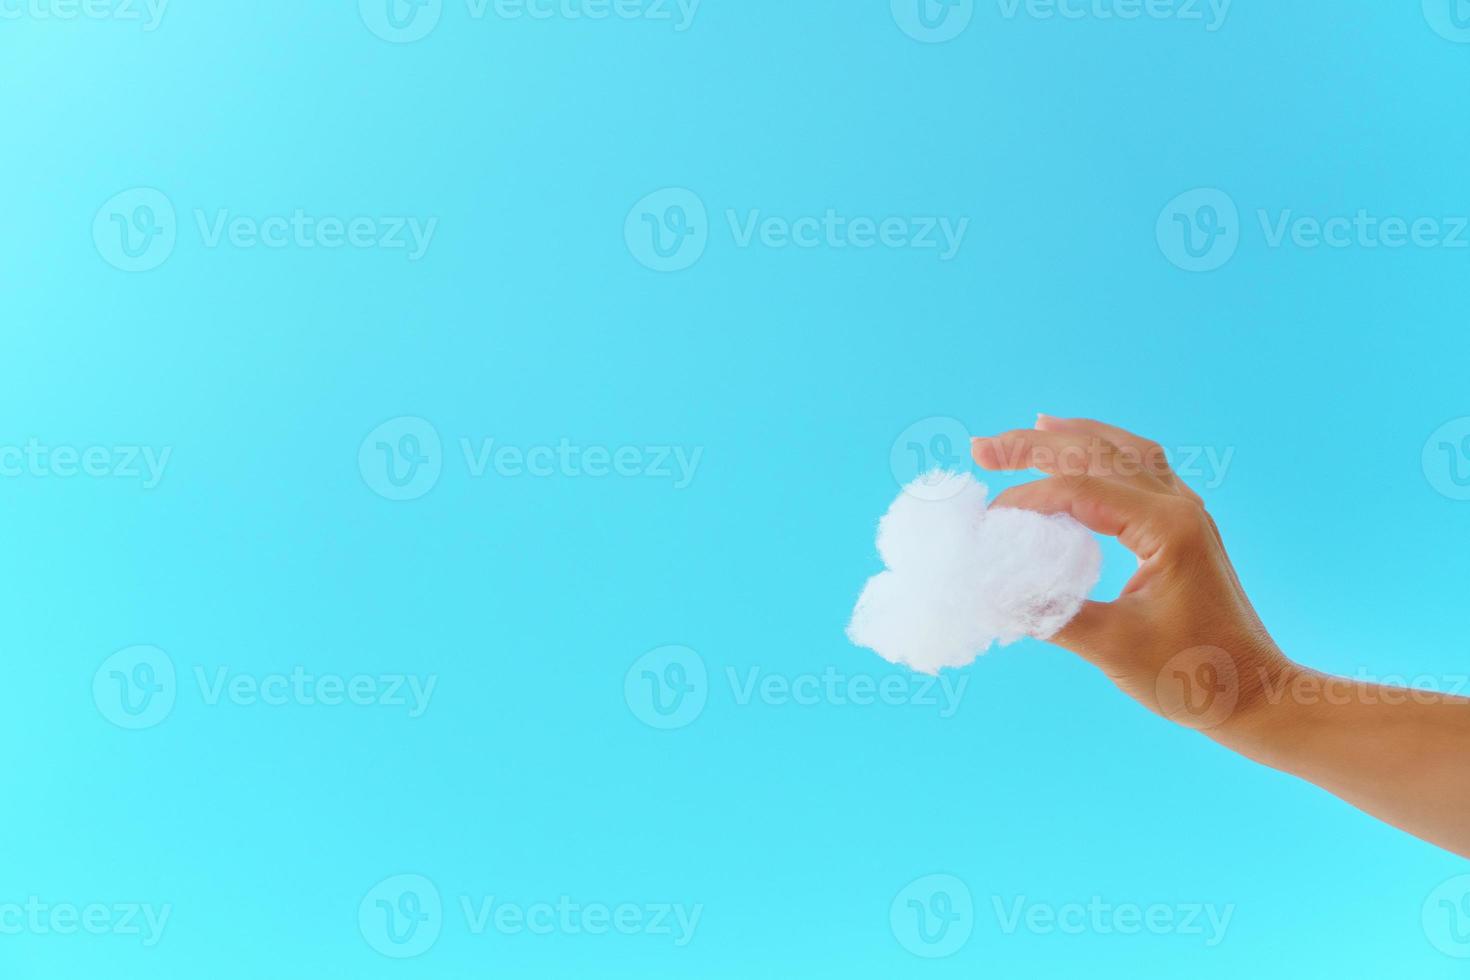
962,576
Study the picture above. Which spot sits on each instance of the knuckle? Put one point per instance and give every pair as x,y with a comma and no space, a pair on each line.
1187,522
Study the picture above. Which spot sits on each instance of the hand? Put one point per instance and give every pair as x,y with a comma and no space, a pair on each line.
1183,640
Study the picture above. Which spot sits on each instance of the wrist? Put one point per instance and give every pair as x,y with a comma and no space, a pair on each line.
1266,720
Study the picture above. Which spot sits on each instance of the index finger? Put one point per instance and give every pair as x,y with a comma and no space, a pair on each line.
1119,510
1156,460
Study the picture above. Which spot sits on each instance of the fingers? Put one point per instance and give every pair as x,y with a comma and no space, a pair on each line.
1064,454
1095,632
1155,460
1141,520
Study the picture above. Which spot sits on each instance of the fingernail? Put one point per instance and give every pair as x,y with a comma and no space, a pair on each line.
1042,417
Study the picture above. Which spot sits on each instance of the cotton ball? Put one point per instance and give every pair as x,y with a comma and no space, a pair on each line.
1038,570
962,577
909,621
925,534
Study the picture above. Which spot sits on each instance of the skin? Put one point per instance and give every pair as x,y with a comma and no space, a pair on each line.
1184,641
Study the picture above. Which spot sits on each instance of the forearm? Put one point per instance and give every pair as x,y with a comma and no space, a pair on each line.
1400,754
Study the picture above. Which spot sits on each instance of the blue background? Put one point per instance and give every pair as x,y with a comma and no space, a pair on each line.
530,321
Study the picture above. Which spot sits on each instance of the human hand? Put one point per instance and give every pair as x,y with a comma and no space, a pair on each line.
1182,639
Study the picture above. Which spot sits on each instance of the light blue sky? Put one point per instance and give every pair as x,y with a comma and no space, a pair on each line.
642,310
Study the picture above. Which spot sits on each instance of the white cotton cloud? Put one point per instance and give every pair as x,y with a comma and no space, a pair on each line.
962,576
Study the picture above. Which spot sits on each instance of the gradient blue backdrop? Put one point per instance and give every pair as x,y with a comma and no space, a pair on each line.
530,321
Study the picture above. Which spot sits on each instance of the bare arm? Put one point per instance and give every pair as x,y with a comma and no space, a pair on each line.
1184,641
